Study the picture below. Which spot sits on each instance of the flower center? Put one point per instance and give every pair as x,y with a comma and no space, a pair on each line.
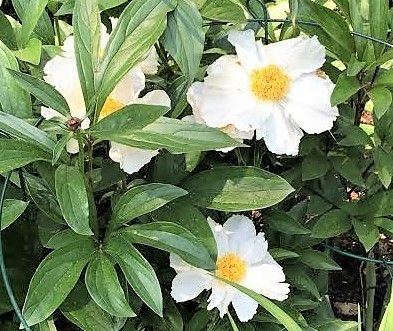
231,267
270,83
110,106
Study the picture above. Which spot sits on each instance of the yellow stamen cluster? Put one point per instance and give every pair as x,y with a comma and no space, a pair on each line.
231,267
269,83
110,106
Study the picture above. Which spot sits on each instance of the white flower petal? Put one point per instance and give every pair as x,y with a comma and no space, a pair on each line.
178,264
239,230
309,103
296,56
156,97
72,146
245,307
49,113
220,236
131,159
128,89
247,49
149,65
221,297
255,250
189,284
85,123
281,134
221,107
267,279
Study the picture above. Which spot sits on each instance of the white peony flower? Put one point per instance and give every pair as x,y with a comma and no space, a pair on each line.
62,73
276,89
242,258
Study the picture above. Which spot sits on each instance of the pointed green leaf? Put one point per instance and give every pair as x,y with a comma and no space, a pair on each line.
31,15
12,209
379,20
382,99
73,200
137,270
221,188
346,87
331,224
54,279
318,260
104,287
367,233
143,199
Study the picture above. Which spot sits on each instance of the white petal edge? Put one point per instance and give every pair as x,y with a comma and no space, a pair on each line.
189,284
244,306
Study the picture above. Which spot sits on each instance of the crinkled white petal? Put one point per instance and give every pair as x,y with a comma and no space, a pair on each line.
244,306
247,49
308,103
296,55
281,134
255,250
239,230
131,159
49,113
72,146
156,97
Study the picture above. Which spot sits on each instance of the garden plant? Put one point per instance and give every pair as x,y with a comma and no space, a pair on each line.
196,165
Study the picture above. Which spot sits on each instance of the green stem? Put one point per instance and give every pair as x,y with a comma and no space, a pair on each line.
81,154
371,281
58,33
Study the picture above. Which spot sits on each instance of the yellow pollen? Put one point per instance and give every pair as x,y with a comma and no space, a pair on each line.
270,83
320,73
110,106
231,267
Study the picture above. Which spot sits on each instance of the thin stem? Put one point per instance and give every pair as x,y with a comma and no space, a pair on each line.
58,33
81,154
3,270
233,324
371,281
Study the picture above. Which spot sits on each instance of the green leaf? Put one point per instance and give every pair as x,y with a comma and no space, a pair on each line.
18,128
385,79
387,320
224,10
143,199
32,14
64,238
7,34
13,99
174,135
130,118
268,305
378,18
184,37
81,310
12,209
44,92
43,198
172,238
358,26
333,31
346,87
355,66
318,260
104,287
140,25
87,24
349,168
355,136
31,53
16,154
54,279
367,233
221,188
315,165
139,273
384,223
298,277
59,147
47,325
182,212
280,254
336,325
381,98
333,223
73,200
43,27
384,165
282,222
